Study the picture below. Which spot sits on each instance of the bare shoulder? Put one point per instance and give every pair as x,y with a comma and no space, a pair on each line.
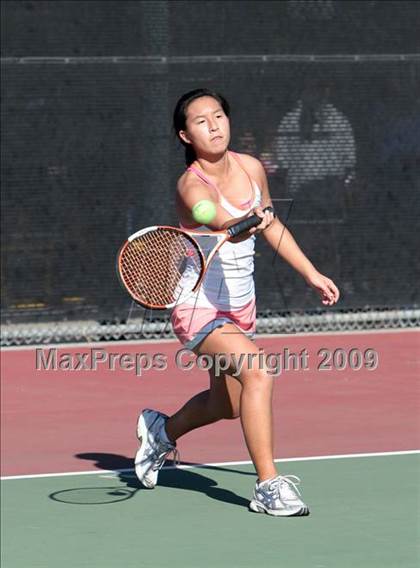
252,165
189,191
182,183
189,186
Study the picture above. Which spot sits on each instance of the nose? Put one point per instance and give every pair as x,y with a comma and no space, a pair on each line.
213,126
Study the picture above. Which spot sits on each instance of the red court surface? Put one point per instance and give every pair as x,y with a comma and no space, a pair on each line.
68,421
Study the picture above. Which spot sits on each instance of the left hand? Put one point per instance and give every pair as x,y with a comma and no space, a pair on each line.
325,287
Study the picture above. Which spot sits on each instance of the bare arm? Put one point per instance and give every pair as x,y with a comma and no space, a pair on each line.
282,241
189,192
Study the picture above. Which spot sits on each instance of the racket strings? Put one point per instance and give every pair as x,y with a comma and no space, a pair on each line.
153,266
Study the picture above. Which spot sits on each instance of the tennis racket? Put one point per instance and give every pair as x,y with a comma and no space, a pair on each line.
162,266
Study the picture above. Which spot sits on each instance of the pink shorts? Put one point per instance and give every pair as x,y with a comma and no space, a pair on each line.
192,324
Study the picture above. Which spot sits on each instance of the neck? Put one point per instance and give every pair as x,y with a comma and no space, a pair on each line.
217,166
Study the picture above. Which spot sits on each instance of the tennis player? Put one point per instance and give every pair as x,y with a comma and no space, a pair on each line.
219,319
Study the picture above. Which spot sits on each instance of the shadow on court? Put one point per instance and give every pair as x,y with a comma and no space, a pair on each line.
172,478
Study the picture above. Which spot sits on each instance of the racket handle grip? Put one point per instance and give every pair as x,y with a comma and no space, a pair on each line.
246,224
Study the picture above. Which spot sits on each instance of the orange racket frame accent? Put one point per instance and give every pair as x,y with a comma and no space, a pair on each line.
187,234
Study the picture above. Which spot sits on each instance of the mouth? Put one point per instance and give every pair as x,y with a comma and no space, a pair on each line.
216,138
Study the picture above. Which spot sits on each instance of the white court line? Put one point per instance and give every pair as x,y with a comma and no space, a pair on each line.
89,344
216,464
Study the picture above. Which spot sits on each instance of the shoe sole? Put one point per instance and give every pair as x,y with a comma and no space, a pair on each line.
141,435
141,425
256,507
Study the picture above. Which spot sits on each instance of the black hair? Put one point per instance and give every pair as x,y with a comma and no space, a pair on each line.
180,115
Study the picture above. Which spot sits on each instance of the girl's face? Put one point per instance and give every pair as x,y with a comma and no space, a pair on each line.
207,127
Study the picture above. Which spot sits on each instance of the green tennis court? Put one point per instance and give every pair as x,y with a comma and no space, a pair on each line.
364,513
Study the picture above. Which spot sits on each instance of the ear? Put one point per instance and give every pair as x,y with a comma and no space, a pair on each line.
184,137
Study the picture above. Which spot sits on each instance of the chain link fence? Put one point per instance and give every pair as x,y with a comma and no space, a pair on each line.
88,155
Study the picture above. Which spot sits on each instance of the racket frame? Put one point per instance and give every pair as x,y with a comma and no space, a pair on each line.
185,233
226,234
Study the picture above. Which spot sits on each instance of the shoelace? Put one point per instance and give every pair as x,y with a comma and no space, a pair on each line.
287,482
160,457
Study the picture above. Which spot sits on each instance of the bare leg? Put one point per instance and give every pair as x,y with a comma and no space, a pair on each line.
255,399
220,401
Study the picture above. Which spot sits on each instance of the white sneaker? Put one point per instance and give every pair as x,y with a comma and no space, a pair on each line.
153,450
279,497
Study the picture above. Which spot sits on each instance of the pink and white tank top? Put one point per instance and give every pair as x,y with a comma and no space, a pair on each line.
228,283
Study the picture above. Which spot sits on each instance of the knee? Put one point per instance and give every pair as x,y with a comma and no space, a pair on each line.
256,379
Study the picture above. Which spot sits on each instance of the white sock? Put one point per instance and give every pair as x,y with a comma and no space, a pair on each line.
259,483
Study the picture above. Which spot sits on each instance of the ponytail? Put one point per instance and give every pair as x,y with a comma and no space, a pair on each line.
190,155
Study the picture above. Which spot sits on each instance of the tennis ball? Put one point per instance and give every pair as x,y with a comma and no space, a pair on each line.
204,212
